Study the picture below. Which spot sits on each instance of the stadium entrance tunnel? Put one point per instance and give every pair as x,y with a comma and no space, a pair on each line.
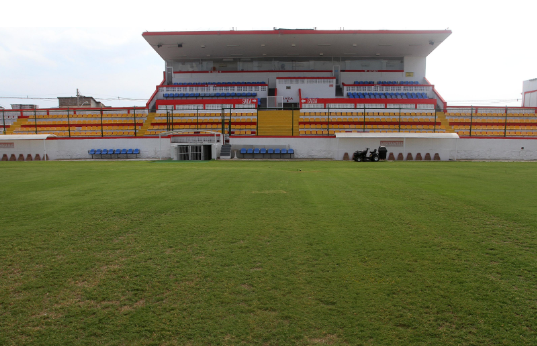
192,152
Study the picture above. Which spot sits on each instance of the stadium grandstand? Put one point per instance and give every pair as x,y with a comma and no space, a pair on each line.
315,84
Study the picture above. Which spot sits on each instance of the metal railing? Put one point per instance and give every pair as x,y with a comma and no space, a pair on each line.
475,121
78,118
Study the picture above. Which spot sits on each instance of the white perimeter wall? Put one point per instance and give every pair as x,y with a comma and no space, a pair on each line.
70,149
448,149
332,148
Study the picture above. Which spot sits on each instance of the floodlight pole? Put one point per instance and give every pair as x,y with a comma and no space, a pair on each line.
68,123
293,122
135,121
505,125
399,118
35,122
229,124
167,120
222,128
434,120
363,125
471,118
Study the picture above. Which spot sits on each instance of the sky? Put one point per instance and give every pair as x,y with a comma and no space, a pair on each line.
51,48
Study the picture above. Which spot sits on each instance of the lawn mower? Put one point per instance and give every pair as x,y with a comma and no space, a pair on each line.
374,156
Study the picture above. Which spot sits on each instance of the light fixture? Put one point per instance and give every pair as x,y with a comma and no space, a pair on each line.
378,54
262,45
180,45
354,45
159,45
431,43
202,46
320,53
293,45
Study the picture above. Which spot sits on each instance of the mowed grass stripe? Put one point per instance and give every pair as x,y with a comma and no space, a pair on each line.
271,253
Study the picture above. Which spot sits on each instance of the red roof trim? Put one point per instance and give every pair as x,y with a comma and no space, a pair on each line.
260,71
373,71
406,85
305,77
297,32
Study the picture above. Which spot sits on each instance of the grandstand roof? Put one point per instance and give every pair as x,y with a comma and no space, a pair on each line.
186,45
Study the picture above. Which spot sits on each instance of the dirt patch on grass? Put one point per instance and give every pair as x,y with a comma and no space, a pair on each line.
330,339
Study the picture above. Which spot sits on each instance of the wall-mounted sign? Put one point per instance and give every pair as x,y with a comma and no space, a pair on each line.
391,143
7,145
409,74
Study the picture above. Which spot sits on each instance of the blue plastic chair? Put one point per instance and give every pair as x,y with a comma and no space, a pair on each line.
284,152
98,152
117,152
277,151
290,152
256,151
270,152
91,152
250,151
136,152
104,152
263,151
243,151
124,151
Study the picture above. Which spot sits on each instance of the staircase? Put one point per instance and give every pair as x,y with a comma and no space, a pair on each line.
225,152
444,122
16,125
147,124
277,123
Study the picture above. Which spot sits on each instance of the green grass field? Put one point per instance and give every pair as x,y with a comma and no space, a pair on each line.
268,253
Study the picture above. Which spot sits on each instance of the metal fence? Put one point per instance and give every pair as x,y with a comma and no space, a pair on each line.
493,121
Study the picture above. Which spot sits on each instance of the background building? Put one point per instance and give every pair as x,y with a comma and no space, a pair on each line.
529,93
